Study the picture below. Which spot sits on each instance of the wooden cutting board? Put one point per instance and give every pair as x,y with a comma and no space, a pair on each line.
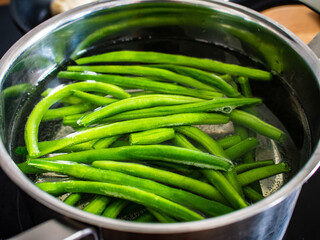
299,19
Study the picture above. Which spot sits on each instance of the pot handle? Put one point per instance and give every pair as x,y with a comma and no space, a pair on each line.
56,230
265,4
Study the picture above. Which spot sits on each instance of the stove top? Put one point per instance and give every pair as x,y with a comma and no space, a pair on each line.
14,217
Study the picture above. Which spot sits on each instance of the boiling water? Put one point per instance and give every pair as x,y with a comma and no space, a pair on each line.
286,152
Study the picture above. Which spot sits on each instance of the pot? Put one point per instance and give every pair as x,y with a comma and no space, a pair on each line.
203,29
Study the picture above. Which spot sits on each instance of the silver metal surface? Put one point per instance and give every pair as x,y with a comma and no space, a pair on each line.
55,230
314,44
313,4
45,47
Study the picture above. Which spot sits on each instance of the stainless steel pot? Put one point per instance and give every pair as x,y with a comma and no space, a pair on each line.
294,98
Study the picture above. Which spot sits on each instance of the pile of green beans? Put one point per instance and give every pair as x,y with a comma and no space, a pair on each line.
137,150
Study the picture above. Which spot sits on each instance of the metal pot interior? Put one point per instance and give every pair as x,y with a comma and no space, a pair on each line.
212,29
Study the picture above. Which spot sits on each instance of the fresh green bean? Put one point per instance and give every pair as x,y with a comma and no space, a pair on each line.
203,138
158,175
134,103
114,208
143,71
241,148
227,190
156,57
163,218
124,192
245,86
243,167
252,194
218,104
27,169
150,153
257,174
72,199
209,207
203,76
68,100
241,131
256,124
32,125
181,141
119,143
215,177
153,136
97,205
140,83
93,98
74,148
132,126
145,217
105,142
58,113
232,177
229,141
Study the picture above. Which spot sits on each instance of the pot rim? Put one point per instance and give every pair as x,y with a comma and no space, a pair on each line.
49,201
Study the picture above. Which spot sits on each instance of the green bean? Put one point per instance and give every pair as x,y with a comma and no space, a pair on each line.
232,177
134,103
97,205
245,86
153,136
68,100
215,177
72,199
93,98
77,147
132,126
114,208
241,148
74,148
145,217
243,167
256,124
119,143
57,113
72,120
163,218
156,57
229,141
252,194
203,138
218,104
181,141
143,71
163,176
209,207
256,174
105,142
139,83
227,190
32,125
124,192
27,169
150,153
241,131
203,76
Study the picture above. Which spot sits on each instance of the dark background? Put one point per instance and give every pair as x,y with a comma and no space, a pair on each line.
304,224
